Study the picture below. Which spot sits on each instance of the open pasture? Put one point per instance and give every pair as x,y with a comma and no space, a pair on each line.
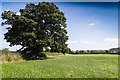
68,66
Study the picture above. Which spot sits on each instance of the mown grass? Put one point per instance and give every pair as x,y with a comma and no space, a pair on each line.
68,66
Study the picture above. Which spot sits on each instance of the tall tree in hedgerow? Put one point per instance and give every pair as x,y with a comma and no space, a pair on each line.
37,27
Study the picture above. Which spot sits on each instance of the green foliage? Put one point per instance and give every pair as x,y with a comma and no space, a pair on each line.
49,54
38,26
77,52
71,52
47,50
69,66
95,52
82,51
88,51
103,52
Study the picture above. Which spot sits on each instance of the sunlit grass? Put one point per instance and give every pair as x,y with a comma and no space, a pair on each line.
68,66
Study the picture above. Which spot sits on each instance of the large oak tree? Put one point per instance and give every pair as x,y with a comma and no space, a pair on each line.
37,27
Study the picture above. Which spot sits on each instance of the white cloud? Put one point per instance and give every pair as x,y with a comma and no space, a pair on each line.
4,44
111,42
91,24
81,41
114,40
18,13
72,42
86,42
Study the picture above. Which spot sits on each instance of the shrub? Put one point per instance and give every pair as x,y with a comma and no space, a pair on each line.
8,56
76,52
42,56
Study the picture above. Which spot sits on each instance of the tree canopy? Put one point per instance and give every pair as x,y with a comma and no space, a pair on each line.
37,27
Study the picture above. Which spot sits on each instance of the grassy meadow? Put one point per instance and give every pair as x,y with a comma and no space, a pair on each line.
64,66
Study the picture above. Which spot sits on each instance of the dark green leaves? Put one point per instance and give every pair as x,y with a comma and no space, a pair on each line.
38,26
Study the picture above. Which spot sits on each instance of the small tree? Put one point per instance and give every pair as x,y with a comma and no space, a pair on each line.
77,52
88,51
107,51
102,51
110,51
72,52
81,51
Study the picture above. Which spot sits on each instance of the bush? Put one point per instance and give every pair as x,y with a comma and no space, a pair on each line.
76,52
8,56
42,56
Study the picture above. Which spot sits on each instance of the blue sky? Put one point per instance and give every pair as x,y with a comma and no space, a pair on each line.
90,25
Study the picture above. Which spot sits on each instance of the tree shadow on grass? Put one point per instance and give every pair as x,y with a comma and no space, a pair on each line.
47,58
42,59
51,58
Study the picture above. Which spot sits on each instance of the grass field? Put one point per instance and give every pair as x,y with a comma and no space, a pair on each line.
68,66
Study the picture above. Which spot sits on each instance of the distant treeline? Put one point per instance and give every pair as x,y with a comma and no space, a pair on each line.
94,52
69,51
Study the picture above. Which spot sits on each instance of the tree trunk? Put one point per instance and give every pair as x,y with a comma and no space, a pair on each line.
37,51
